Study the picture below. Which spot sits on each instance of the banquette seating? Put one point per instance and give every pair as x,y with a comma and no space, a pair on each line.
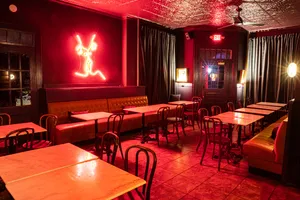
266,153
70,131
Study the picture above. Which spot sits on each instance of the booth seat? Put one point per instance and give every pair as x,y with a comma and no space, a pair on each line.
265,153
67,131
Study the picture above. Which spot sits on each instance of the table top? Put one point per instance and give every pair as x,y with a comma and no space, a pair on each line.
181,102
272,104
254,111
264,107
30,163
147,109
236,118
92,116
94,179
4,130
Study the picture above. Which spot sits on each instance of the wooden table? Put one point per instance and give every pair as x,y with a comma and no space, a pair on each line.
92,116
94,179
240,119
181,102
4,130
272,104
35,162
147,109
264,107
254,111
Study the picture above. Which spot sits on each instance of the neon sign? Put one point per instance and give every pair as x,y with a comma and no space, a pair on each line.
86,52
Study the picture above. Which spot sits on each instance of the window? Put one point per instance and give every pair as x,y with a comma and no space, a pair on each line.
214,76
14,79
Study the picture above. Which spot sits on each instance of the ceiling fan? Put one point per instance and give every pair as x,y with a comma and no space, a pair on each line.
238,21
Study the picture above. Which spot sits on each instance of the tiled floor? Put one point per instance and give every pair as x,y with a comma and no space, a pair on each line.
179,174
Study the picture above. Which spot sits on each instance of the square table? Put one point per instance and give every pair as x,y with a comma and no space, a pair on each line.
264,107
254,111
240,119
272,104
6,129
147,109
94,179
181,102
92,116
31,163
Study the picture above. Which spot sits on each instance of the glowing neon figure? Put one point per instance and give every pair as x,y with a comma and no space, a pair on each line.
87,53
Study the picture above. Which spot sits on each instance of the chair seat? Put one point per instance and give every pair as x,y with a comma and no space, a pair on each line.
2,143
37,144
190,113
174,119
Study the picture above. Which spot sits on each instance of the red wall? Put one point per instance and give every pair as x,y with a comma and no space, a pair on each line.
56,26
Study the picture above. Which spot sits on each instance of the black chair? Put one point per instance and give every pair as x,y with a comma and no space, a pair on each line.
148,177
215,110
14,140
5,119
178,119
109,139
192,115
114,125
240,104
161,123
202,112
215,135
230,106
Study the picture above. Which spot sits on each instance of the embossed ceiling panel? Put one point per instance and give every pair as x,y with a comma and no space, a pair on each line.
183,13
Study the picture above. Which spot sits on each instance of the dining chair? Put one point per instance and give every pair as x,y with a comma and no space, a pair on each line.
148,172
240,104
215,110
46,139
202,112
109,139
178,119
230,106
114,125
192,115
215,135
5,119
161,123
13,140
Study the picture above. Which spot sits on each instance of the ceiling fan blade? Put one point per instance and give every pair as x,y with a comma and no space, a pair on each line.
226,26
252,24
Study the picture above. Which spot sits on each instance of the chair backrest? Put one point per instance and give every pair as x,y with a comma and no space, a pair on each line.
163,113
49,122
230,106
148,177
14,138
213,127
179,112
114,123
202,112
215,110
240,104
197,105
5,119
109,139
248,101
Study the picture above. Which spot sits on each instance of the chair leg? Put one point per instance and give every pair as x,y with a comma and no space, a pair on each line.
182,126
157,135
177,132
204,150
220,157
121,150
193,122
200,141
213,154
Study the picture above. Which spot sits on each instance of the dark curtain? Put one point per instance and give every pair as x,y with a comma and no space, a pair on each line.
157,64
268,59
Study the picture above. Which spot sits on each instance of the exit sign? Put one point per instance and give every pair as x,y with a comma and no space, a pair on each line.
217,37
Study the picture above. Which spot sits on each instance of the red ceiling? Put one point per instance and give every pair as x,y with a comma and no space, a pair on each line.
183,13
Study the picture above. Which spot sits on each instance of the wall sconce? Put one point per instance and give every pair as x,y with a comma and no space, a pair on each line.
182,75
292,70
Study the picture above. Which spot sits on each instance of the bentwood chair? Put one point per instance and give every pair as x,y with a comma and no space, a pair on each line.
230,106
13,140
240,104
178,119
161,123
202,112
5,119
47,121
148,172
215,110
192,115
215,135
114,125
109,139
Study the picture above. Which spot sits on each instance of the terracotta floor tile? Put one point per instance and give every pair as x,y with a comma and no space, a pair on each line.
182,184
283,192
176,167
224,182
188,197
233,197
199,173
164,192
207,192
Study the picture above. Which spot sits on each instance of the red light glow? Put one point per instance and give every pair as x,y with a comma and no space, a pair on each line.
88,62
217,37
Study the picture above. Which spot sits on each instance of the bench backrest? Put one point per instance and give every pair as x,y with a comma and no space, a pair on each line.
279,143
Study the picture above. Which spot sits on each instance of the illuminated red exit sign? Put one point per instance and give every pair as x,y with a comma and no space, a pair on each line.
217,37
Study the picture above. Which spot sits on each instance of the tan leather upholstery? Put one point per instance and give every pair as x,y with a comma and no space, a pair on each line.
61,108
116,104
262,151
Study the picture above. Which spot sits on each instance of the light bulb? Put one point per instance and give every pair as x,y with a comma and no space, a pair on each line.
292,70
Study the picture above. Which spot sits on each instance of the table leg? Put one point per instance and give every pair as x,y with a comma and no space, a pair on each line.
143,128
253,129
11,148
239,136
